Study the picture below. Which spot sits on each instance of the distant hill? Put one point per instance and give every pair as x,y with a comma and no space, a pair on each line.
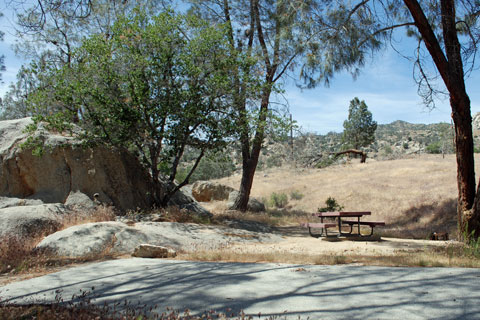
395,140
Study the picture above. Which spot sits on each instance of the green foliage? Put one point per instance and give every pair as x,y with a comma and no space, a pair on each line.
405,145
434,148
388,150
359,128
213,166
331,205
14,105
158,85
325,162
296,195
35,144
278,200
274,160
472,244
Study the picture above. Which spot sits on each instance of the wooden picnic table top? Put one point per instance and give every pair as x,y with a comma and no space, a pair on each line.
342,214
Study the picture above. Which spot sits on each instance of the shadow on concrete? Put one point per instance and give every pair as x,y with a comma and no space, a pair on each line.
329,292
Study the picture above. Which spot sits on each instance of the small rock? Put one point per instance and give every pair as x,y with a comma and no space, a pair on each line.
151,251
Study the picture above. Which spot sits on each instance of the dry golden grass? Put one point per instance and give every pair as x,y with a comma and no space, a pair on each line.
448,256
413,196
99,214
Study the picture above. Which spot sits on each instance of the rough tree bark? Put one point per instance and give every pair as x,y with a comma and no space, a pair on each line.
450,68
250,159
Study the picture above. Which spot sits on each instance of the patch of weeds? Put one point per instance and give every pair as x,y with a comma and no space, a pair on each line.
472,248
296,195
331,205
175,214
422,263
16,253
99,214
339,260
169,214
278,200
472,244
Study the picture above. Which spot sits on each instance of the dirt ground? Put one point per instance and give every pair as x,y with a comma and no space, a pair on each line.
297,240
293,240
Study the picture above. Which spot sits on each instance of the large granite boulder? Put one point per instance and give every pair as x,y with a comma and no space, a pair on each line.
65,167
205,191
101,238
70,173
31,221
6,202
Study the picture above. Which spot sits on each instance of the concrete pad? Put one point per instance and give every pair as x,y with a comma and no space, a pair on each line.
292,291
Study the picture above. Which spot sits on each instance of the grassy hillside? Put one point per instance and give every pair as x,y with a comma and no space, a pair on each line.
414,196
395,140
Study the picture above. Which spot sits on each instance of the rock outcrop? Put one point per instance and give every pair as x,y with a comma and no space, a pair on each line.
31,221
205,191
6,202
119,238
71,174
66,167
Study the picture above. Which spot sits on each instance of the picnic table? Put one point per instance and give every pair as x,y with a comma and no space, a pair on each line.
339,221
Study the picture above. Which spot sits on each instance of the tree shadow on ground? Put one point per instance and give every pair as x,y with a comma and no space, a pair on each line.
315,292
418,222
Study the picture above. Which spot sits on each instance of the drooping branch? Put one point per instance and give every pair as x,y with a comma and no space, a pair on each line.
430,40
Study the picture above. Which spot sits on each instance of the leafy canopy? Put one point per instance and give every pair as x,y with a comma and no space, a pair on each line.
359,128
156,86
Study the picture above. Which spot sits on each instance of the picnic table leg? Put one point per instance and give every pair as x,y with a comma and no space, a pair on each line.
323,229
371,231
359,227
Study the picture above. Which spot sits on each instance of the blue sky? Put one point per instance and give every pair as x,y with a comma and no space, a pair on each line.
385,83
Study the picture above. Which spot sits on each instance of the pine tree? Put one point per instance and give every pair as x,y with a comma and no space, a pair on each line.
359,128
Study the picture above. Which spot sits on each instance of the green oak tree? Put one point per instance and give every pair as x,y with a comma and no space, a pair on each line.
49,31
156,85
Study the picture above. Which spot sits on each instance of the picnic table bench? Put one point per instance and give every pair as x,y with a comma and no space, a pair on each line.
338,216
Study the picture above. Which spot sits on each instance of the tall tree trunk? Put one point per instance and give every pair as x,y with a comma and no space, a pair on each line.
450,68
250,160
462,118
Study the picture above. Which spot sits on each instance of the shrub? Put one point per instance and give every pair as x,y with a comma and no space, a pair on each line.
331,205
214,166
279,200
434,148
274,161
387,150
325,162
296,195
